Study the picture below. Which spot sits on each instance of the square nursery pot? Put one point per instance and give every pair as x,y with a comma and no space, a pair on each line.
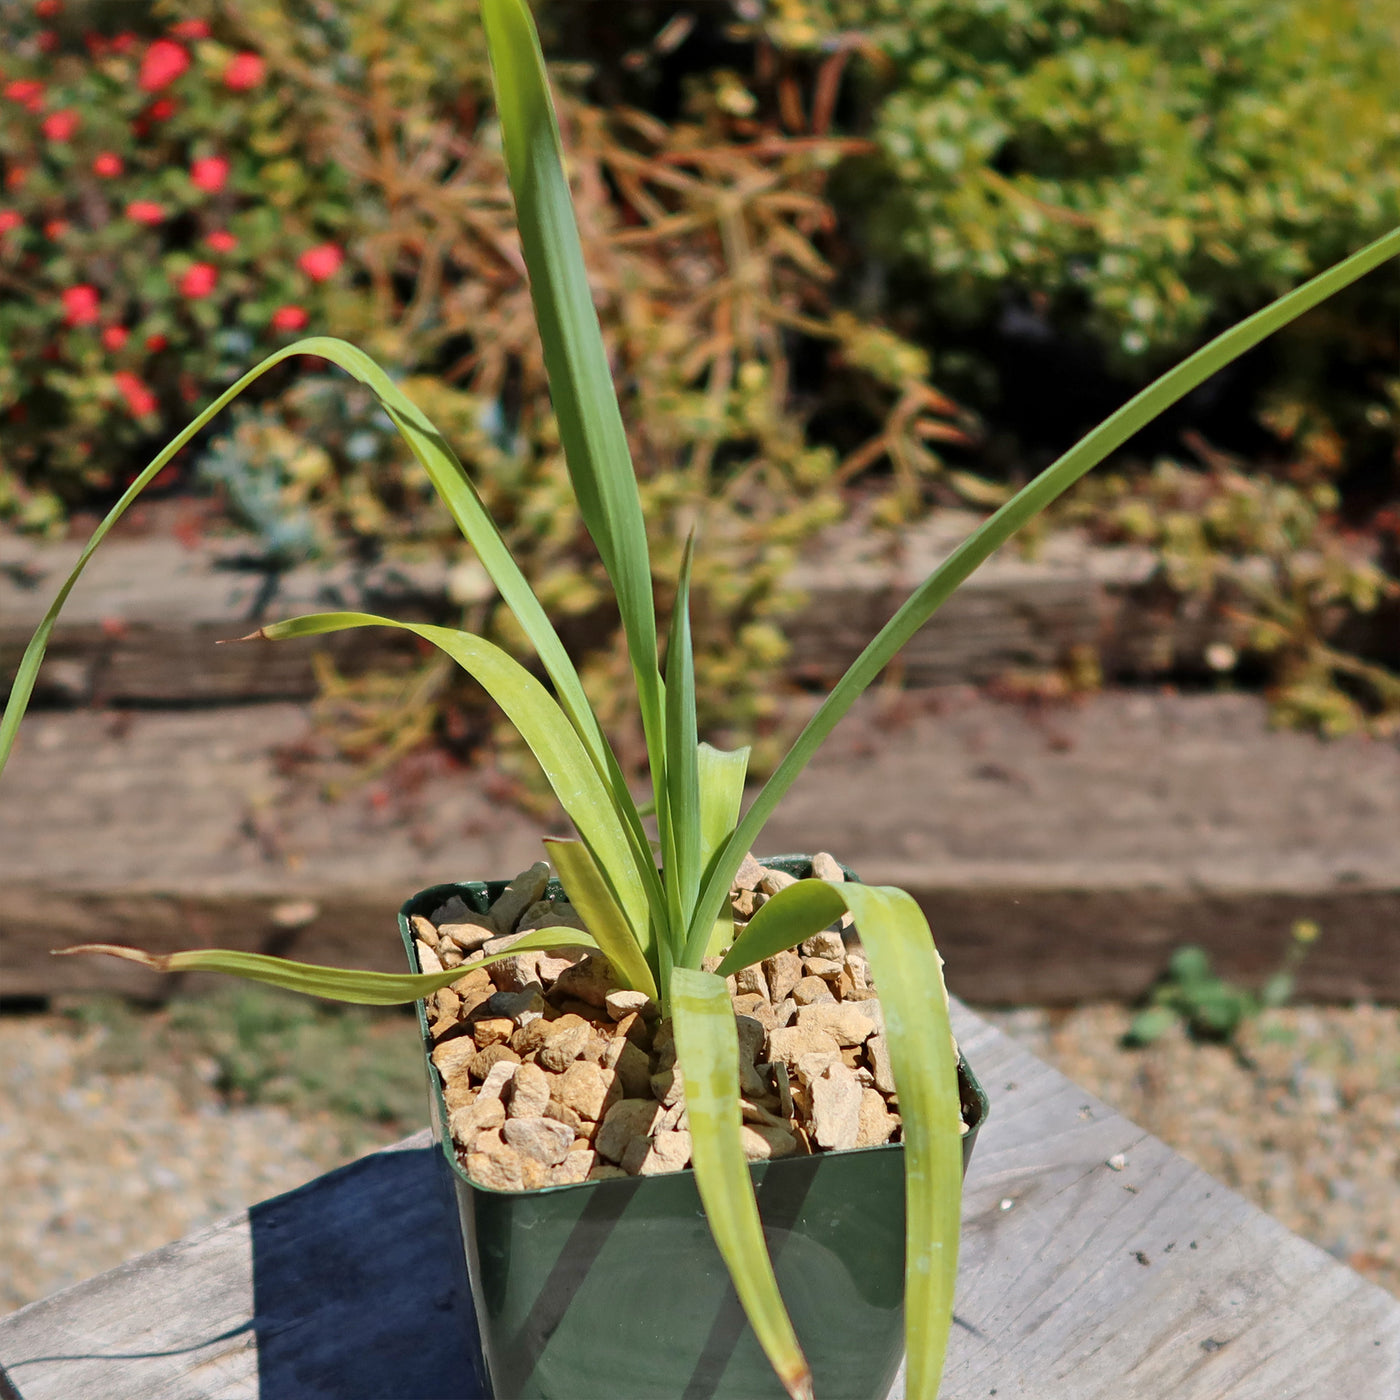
610,1289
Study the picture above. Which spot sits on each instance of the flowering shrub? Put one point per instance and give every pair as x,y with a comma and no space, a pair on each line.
155,235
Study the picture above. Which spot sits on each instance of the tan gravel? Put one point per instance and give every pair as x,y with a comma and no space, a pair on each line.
1304,1121
96,1166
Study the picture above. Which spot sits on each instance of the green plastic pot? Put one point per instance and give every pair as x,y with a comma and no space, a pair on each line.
614,1290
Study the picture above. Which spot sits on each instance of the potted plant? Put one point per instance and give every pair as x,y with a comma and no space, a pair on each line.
655,929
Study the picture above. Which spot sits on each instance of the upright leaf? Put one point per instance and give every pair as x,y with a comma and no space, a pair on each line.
580,379
707,1051
722,773
680,832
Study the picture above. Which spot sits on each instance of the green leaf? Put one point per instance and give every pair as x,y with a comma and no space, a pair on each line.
580,379
909,977
456,489
680,831
538,719
806,908
1027,503
707,1051
334,983
592,896
1150,1025
721,775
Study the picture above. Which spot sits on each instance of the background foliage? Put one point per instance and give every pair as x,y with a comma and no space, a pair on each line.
1060,195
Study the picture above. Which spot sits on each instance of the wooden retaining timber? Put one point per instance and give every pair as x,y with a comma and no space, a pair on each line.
1060,854
1095,1263
139,627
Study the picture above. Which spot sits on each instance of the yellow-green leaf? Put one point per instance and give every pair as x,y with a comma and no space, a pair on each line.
334,983
707,1051
909,977
591,895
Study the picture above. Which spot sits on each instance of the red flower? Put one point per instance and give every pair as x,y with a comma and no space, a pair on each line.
124,42
244,71
9,219
321,262
198,281
145,211
138,396
16,177
107,165
114,337
209,173
24,90
60,126
47,9
80,305
162,109
289,318
161,64
48,40
55,228
156,343
190,29
221,241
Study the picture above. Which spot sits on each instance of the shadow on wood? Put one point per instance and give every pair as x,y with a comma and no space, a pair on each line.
376,1245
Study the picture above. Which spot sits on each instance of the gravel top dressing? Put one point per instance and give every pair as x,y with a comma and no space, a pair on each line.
107,1149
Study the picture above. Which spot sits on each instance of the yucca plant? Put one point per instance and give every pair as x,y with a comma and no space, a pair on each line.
658,924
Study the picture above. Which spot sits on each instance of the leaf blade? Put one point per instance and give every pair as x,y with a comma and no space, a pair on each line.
354,985
707,1050
1057,478
591,895
580,379
914,1001
681,827
539,720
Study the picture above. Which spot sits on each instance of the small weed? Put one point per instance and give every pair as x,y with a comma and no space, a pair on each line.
1210,1007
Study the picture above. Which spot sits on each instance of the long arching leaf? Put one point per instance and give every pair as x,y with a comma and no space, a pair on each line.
460,496
333,983
537,718
914,1002
1057,478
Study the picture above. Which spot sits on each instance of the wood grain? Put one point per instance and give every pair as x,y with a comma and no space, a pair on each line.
1060,855
140,625
1077,1282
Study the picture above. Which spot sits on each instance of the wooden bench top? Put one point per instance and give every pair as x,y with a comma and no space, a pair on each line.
1078,1281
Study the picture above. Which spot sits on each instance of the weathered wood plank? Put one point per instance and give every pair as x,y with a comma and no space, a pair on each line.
140,625
1077,1282
1060,855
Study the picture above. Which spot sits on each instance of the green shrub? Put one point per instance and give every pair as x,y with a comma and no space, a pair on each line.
1154,167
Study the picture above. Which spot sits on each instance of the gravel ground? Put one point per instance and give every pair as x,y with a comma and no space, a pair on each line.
96,1166
100,1162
